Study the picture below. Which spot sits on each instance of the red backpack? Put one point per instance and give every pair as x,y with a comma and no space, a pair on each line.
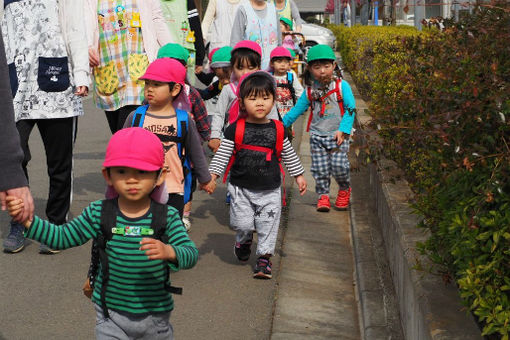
339,99
238,145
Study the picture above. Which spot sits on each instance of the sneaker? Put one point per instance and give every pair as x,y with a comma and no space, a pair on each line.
15,241
323,204
262,269
227,198
243,251
187,223
44,249
342,199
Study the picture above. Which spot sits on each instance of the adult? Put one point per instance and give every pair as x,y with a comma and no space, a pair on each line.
288,9
123,38
47,59
12,179
218,21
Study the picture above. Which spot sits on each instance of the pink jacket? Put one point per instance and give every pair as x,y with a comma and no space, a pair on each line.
154,30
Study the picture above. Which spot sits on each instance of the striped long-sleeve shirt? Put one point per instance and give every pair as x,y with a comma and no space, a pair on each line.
251,169
136,284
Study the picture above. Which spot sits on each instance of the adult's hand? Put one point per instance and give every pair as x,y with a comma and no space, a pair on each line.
82,91
93,57
28,203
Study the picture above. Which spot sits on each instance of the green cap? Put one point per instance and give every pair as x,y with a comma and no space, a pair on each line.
319,52
287,21
221,57
292,53
174,51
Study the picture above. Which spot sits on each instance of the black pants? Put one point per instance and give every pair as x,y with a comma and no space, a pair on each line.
176,201
58,136
117,118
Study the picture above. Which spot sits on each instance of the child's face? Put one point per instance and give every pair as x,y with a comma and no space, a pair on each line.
243,68
280,66
284,27
223,74
258,106
132,184
158,93
322,71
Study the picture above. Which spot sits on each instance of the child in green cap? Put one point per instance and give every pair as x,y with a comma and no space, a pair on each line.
330,125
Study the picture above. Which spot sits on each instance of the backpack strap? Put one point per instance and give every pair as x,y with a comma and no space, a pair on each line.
337,90
108,221
238,140
139,116
158,224
280,135
290,80
182,131
309,97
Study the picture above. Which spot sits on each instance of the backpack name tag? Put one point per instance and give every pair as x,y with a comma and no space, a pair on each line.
133,231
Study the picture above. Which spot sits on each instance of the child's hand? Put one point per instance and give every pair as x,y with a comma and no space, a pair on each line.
157,250
340,137
209,187
15,207
82,91
301,182
214,144
93,57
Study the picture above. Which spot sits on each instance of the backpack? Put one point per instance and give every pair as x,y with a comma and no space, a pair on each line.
108,228
182,130
277,151
289,85
339,99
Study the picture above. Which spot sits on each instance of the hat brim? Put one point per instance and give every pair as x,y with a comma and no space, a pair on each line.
132,163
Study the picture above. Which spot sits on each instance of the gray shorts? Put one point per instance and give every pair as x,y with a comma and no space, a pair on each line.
123,326
258,210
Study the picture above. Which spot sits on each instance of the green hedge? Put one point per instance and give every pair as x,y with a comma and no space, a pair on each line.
441,102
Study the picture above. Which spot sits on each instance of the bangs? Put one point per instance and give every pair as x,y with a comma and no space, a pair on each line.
257,86
245,55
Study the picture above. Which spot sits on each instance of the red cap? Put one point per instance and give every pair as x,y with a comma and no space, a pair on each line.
251,45
135,148
280,52
165,70
212,53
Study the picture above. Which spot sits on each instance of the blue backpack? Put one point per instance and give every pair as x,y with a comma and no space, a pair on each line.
182,130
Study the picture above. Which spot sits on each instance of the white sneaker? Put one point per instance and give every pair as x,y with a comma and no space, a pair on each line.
187,223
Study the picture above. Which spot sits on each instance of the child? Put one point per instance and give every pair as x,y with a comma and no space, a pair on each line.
220,75
131,299
288,87
252,149
164,81
246,57
257,20
330,124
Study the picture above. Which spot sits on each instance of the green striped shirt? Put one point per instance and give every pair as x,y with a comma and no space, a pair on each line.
136,284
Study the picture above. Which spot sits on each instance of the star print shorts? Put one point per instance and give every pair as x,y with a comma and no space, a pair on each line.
256,210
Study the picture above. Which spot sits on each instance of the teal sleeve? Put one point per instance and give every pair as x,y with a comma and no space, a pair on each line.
72,234
301,106
185,249
349,107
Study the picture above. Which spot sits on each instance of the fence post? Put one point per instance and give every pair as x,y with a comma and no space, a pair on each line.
353,12
456,10
419,13
376,13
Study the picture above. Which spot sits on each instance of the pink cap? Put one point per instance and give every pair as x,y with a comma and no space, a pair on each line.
251,45
212,53
280,52
135,148
165,70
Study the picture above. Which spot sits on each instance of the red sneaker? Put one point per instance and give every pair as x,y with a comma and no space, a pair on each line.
323,203
342,199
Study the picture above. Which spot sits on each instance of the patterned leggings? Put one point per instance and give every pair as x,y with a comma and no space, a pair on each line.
329,159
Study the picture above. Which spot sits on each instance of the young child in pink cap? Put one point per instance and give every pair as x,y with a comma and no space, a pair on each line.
164,115
135,231
252,151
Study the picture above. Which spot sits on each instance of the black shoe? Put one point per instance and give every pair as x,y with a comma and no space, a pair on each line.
243,250
262,269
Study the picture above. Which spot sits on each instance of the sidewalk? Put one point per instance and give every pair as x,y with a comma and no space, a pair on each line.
315,297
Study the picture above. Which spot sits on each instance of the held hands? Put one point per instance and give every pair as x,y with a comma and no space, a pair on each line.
301,182
210,186
157,250
15,208
82,91
27,213
214,144
93,57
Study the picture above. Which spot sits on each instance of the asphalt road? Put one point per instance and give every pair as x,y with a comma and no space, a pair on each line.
40,295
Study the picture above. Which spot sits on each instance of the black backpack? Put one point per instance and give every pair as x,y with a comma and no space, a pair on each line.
98,251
